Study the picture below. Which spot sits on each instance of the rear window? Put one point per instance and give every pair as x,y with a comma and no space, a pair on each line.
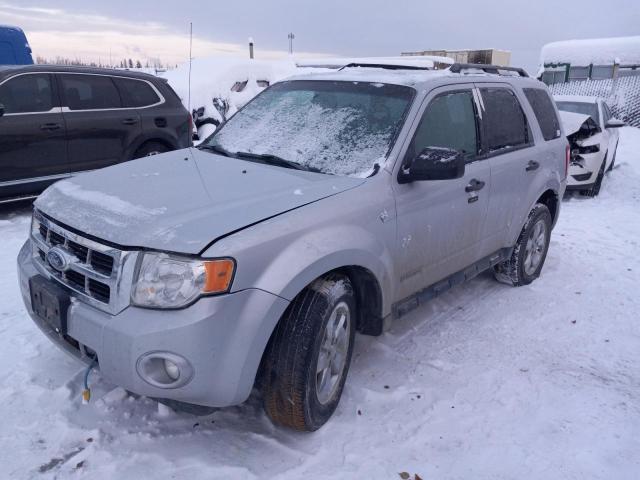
90,92
542,106
136,93
505,124
27,94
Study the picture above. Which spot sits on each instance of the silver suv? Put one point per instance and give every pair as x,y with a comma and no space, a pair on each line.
330,204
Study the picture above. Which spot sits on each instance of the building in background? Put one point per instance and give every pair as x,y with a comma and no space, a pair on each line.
489,56
608,68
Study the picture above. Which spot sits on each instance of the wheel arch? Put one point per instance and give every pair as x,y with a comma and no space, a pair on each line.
551,200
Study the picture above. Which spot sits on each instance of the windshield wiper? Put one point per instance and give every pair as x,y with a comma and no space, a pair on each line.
270,159
216,149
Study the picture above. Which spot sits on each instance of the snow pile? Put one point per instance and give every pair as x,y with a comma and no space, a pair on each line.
596,51
221,81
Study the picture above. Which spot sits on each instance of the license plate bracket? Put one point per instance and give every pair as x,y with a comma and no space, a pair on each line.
50,303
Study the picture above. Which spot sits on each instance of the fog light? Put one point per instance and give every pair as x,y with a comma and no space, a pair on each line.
164,369
172,369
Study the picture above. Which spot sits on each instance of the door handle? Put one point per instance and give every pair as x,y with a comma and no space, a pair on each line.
474,185
130,121
532,165
50,126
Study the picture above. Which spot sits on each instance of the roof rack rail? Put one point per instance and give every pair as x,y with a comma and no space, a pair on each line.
495,69
386,66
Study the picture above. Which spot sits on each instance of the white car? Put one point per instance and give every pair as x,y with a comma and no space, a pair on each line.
593,136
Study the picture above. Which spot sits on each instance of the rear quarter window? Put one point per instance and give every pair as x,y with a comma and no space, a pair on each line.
136,93
542,106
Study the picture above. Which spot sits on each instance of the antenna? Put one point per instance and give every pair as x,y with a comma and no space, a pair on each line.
190,58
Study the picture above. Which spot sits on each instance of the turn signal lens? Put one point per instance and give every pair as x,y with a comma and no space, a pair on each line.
219,274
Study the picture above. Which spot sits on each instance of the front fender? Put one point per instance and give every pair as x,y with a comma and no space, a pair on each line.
317,252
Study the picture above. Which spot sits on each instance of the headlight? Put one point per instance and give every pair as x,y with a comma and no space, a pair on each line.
167,281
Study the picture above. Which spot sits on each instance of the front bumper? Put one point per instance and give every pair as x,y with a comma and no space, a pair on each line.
222,338
584,174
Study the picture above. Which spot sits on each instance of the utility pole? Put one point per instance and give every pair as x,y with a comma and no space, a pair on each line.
291,37
190,59
251,48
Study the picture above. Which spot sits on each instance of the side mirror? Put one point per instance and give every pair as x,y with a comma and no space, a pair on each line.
614,123
1,110
434,163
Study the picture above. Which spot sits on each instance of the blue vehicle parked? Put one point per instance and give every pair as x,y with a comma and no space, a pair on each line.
14,48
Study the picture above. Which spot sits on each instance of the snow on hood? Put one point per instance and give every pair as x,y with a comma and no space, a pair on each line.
572,122
597,51
181,201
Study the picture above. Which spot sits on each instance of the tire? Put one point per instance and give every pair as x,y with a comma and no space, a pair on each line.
613,162
148,149
595,189
530,251
294,394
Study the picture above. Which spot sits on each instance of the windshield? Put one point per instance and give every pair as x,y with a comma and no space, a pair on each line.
342,128
584,108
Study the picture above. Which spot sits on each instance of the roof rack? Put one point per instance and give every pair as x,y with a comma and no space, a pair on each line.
495,69
386,66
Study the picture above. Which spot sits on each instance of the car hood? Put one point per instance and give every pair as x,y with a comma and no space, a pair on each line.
572,122
182,201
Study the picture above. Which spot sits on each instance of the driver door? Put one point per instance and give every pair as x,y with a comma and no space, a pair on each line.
440,222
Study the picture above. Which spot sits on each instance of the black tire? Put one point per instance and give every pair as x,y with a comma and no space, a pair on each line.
613,161
515,271
148,149
595,189
289,380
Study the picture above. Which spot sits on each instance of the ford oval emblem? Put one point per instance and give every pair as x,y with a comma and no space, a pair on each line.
58,259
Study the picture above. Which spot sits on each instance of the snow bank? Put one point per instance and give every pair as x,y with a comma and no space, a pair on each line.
214,78
596,51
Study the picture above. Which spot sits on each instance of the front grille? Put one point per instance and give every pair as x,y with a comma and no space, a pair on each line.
99,290
92,269
102,263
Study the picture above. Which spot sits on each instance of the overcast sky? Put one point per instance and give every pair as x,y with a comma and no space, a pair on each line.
149,28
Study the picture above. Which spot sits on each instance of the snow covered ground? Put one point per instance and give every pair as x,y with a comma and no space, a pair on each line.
486,382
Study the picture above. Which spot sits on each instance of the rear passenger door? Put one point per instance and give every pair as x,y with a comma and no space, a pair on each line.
508,146
100,129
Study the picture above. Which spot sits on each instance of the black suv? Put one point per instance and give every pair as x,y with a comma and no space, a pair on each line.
56,121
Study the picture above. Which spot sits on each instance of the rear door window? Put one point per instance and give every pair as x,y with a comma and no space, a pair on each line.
448,122
505,124
90,92
136,93
27,94
542,106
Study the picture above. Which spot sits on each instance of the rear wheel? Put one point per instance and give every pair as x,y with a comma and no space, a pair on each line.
528,256
308,357
148,149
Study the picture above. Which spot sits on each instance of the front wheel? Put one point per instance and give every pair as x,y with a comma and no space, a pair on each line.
149,149
595,189
307,359
530,251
